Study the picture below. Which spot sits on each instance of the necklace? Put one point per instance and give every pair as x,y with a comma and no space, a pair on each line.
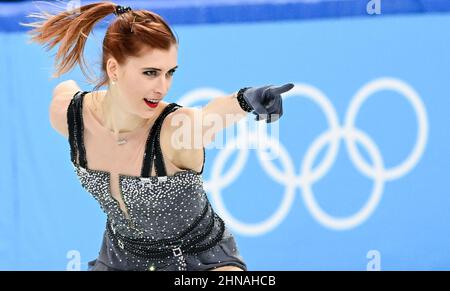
121,141
124,140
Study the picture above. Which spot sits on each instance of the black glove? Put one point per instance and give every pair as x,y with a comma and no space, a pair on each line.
266,102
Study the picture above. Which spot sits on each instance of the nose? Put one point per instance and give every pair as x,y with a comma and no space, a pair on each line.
161,85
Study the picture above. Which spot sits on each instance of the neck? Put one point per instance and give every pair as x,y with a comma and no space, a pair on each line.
116,119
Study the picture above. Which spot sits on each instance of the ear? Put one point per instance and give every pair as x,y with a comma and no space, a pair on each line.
112,68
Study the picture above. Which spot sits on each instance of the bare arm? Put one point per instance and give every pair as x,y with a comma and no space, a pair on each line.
191,129
221,113
265,102
195,128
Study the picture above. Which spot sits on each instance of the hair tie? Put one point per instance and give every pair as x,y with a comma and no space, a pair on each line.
121,9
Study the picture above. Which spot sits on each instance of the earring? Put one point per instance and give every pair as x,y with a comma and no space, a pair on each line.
114,83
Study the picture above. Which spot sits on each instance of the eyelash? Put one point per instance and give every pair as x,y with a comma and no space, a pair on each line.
152,75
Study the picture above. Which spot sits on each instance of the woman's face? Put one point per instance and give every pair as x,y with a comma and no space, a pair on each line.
148,76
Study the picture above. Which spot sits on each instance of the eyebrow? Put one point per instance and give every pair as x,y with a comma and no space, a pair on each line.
156,69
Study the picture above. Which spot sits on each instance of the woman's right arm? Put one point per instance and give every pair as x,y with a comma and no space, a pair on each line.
62,95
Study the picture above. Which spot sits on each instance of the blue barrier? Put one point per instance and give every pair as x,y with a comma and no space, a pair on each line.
224,11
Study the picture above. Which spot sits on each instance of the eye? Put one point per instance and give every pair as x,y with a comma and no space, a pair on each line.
171,72
150,73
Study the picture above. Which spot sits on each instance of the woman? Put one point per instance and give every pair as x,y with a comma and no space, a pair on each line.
158,218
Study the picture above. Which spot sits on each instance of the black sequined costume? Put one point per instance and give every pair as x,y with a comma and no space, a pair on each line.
170,223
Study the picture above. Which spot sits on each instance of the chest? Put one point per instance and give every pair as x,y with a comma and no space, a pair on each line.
148,203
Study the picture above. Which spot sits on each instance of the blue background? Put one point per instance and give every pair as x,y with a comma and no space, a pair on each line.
45,213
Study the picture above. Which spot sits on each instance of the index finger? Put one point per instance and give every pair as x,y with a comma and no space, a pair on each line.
281,89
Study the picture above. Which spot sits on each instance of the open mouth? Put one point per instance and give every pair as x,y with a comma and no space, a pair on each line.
151,102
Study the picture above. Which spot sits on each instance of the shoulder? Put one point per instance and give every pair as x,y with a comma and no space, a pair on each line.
184,115
183,122
181,138
62,95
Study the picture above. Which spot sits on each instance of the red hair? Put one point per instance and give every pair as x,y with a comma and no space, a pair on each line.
128,35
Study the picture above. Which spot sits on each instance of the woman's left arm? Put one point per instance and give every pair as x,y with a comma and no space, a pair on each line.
197,127
220,113
265,102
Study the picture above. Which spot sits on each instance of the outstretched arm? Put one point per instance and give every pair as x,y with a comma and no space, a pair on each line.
196,128
220,113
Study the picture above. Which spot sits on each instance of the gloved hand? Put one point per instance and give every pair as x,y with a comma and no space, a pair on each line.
266,101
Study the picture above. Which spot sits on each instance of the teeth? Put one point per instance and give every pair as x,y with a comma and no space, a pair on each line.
152,100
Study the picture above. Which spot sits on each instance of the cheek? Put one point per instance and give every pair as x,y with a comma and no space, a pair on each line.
134,89
132,82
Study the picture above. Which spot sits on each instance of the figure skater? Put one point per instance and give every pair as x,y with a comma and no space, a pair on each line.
151,189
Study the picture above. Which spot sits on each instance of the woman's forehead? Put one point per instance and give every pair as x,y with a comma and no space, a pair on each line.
156,58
